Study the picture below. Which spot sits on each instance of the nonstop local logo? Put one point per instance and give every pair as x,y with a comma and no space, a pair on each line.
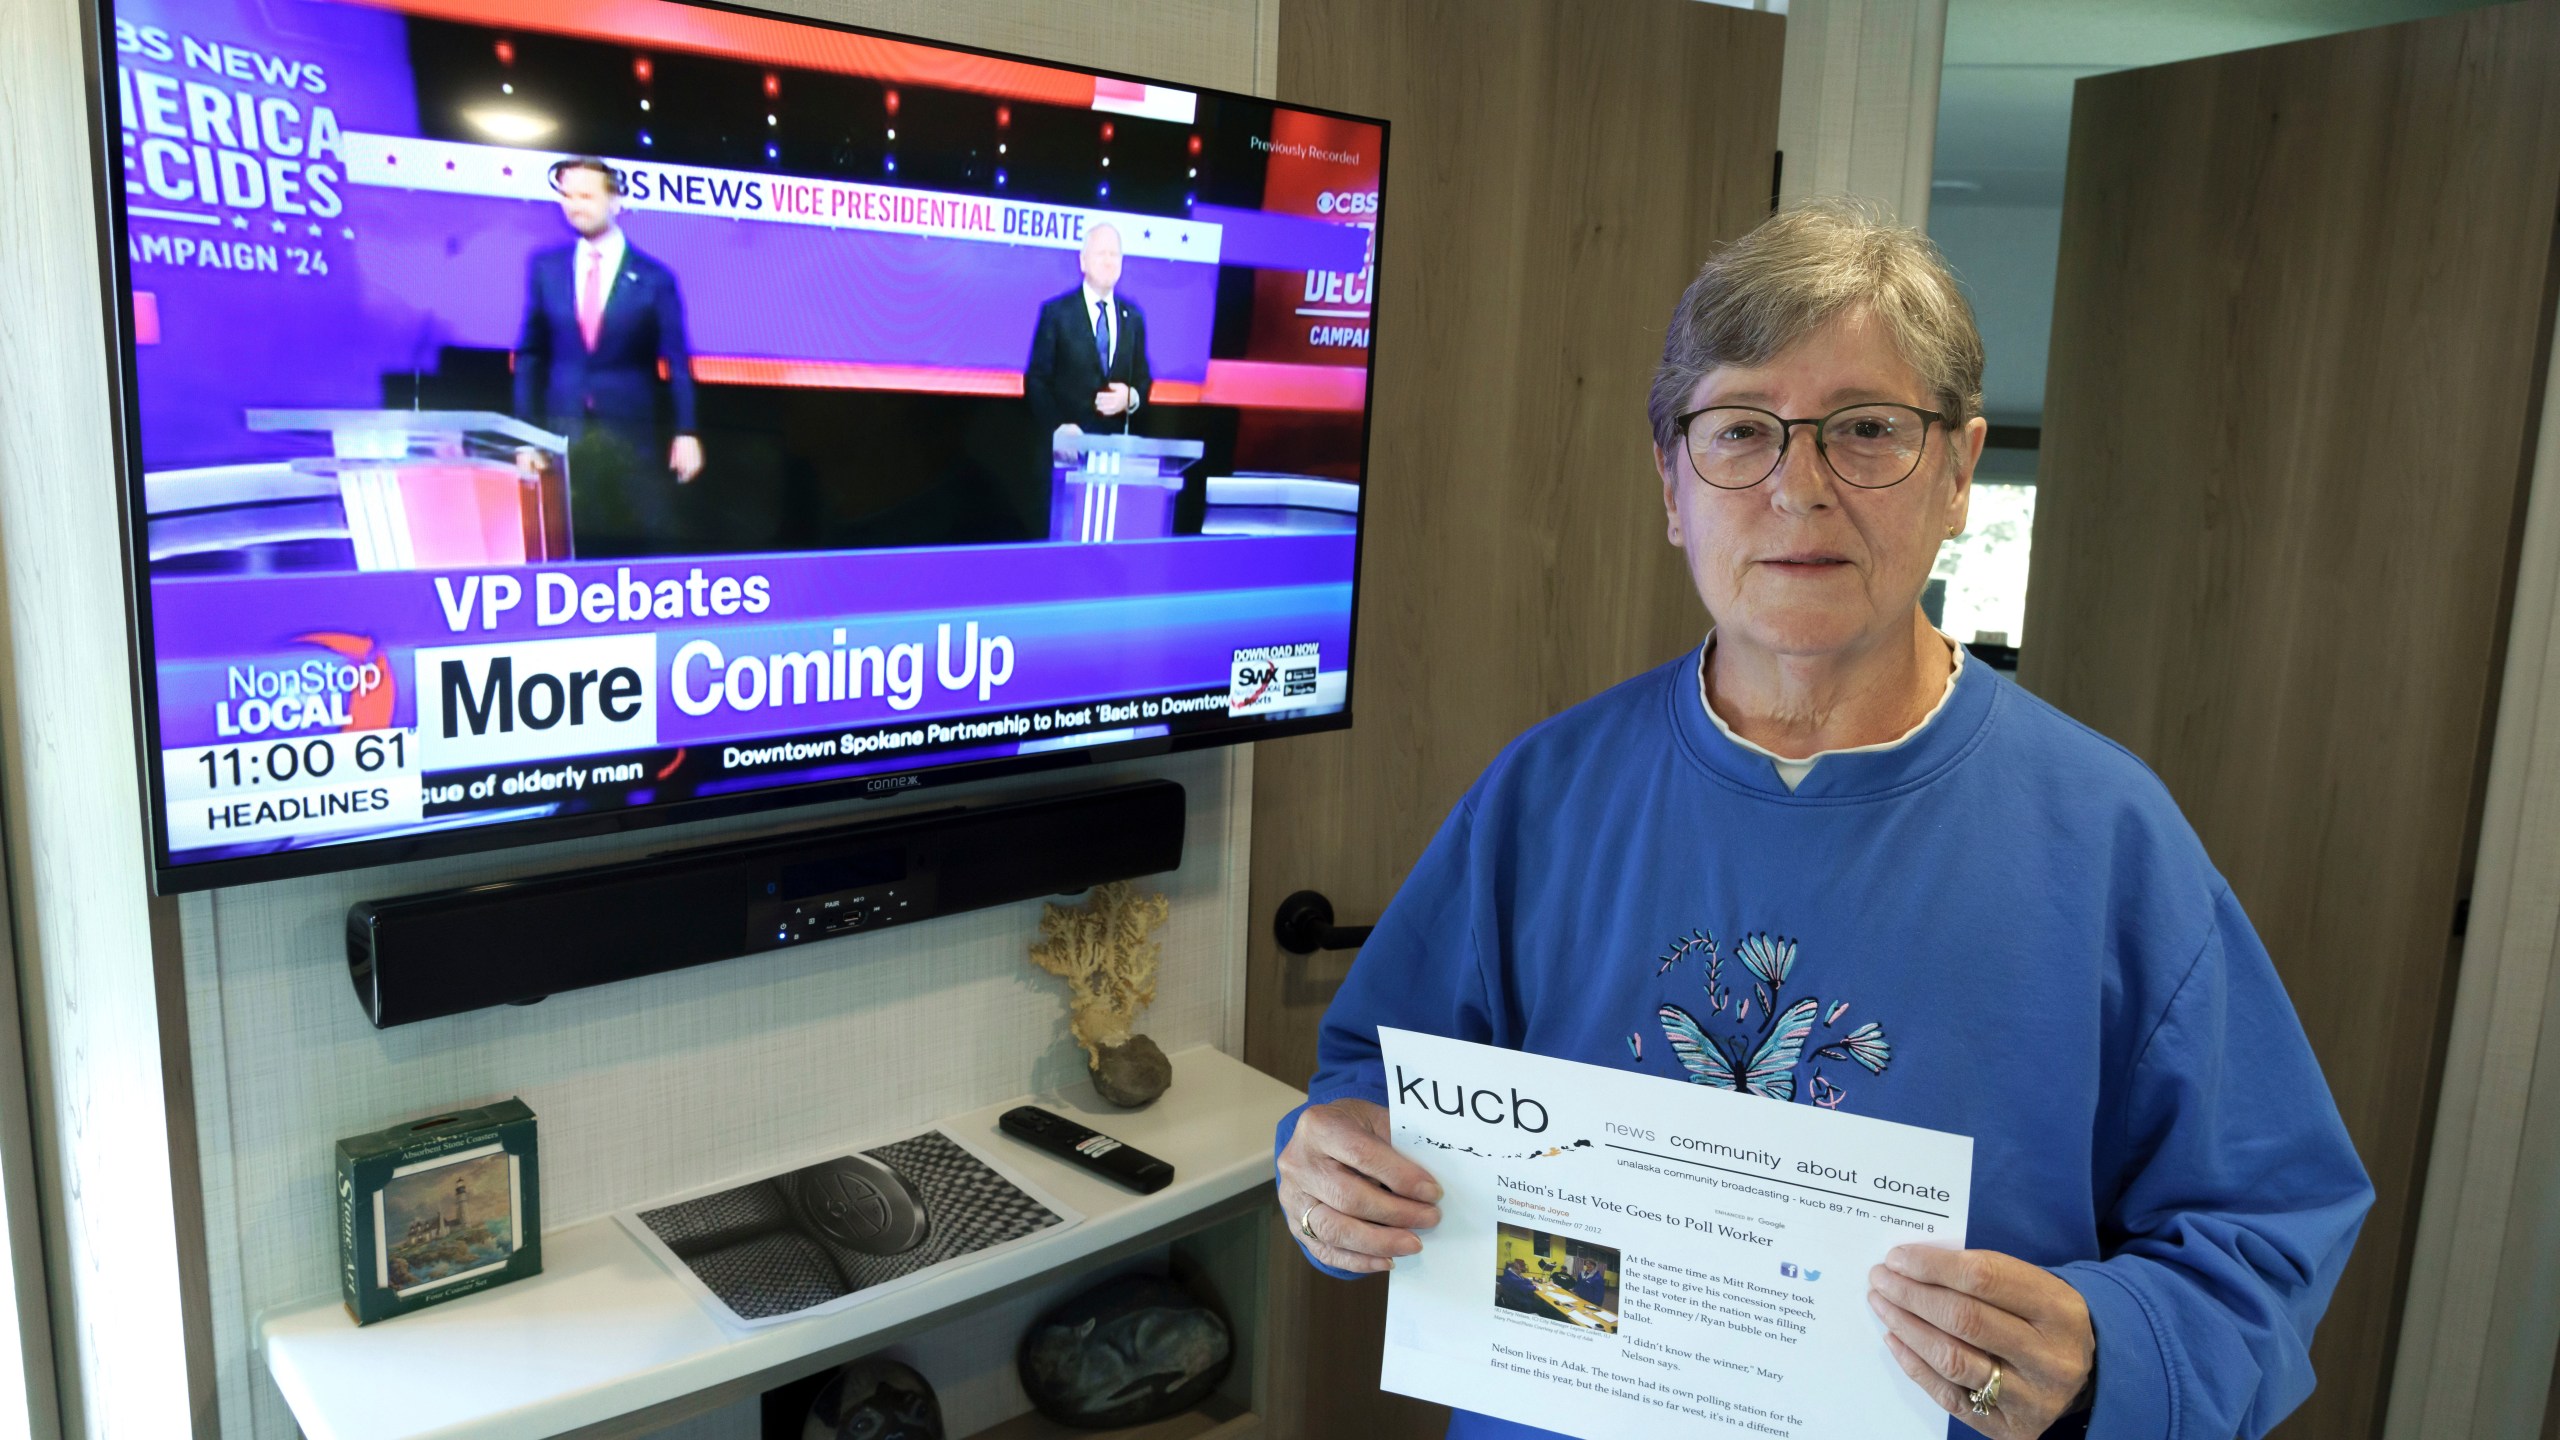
536,700
1272,677
351,688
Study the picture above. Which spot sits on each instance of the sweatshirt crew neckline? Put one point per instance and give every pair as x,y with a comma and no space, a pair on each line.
1964,716
1791,772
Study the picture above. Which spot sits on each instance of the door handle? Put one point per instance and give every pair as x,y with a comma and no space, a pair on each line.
1304,925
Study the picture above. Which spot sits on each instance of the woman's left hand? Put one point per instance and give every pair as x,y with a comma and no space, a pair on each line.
1951,1315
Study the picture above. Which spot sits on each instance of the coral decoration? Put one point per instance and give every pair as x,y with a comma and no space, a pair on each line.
1102,950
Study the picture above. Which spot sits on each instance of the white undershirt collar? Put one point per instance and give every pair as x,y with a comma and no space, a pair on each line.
1792,772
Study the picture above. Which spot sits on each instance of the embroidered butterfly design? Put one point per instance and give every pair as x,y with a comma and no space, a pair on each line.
1770,1069
1763,1058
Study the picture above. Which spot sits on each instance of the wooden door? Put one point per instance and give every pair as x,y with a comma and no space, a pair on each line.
2297,356
1556,173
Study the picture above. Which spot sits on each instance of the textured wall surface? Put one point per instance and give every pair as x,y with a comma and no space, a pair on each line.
644,1088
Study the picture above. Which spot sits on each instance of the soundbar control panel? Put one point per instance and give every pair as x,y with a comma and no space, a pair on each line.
773,921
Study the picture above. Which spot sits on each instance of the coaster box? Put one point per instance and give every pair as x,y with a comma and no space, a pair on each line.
436,1209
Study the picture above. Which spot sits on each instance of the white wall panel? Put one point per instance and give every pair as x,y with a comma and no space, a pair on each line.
1858,114
67,776
643,1088
646,1087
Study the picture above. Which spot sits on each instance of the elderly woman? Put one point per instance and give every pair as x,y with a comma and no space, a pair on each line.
1591,1280
2013,933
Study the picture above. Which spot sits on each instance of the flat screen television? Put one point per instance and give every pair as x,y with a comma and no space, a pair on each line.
550,416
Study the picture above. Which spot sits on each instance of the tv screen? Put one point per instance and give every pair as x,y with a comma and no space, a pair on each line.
543,416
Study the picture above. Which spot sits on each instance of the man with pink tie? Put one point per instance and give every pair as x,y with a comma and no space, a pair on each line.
602,324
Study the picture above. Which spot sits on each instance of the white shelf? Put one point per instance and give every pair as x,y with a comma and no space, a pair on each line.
604,1331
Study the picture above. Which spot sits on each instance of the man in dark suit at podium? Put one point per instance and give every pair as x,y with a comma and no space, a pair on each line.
1088,366
601,322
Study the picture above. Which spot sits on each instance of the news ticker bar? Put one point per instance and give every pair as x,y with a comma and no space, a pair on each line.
455,167
346,786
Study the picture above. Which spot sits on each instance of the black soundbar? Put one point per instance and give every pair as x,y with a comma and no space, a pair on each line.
516,941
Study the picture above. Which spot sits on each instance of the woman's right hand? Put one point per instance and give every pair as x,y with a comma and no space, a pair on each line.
1341,1179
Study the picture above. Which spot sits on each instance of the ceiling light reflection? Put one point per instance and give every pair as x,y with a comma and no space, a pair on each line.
509,124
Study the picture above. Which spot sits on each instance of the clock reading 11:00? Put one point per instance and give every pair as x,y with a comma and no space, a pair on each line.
291,761
313,788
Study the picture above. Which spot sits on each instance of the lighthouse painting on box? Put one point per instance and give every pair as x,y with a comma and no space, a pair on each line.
446,1220
434,1209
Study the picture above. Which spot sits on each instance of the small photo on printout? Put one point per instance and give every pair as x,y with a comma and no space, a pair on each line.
1571,1282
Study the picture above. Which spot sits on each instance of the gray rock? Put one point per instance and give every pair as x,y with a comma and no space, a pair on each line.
1133,1074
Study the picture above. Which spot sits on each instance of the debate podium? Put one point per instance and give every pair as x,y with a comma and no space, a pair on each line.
1266,502
425,489
1116,487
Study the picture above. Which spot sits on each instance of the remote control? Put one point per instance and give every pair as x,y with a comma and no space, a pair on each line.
1089,1148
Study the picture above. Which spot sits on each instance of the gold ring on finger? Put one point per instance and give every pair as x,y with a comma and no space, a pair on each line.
1986,1399
1306,1227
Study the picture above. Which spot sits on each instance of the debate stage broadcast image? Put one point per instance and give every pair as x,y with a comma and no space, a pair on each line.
534,422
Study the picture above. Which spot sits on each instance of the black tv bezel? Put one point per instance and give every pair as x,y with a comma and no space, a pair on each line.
115,274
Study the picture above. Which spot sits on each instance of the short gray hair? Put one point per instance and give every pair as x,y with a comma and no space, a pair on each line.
1797,271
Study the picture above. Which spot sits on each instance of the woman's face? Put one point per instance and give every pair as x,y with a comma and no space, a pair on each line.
1804,564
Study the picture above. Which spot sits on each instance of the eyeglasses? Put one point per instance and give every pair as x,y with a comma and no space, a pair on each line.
1869,446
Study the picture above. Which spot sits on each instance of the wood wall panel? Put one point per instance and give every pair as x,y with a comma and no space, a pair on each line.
2295,377
2479,1326
1556,173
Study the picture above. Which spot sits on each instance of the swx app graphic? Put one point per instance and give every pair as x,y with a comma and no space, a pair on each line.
1273,677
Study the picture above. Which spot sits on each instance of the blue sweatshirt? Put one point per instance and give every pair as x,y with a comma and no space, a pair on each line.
2006,930
1593,1287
